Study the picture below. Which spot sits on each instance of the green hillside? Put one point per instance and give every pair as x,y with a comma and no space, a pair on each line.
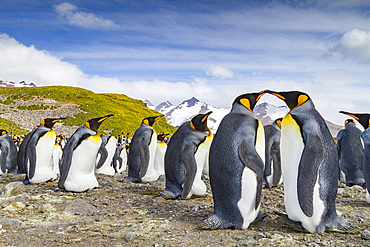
128,112
11,127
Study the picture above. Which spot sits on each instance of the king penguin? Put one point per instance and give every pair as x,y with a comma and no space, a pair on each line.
8,153
120,158
159,154
364,120
142,153
57,154
310,166
236,164
272,174
77,165
351,154
38,152
105,155
182,169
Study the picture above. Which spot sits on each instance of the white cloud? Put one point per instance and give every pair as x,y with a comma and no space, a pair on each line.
219,72
354,45
71,14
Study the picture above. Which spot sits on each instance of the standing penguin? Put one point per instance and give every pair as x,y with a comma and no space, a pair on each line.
120,158
351,154
38,152
8,153
57,155
310,166
183,170
106,151
142,153
236,166
77,165
272,173
159,154
364,120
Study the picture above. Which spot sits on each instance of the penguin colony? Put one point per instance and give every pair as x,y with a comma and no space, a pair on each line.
241,158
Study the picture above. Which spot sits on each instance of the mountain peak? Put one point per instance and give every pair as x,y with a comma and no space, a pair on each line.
191,102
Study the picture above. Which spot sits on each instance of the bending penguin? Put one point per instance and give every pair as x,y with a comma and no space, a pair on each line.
77,166
310,167
38,152
272,174
351,154
159,154
236,166
8,153
364,120
183,169
105,155
142,153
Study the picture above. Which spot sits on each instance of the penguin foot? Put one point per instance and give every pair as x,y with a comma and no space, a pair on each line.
211,223
168,195
283,218
259,219
342,226
131,180
26,181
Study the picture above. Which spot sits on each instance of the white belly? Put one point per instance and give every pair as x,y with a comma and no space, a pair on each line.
107,167
123,155
81,176
44,153
291,150
57,155
151,174
159,158
247,201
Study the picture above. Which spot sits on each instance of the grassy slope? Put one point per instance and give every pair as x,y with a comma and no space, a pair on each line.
128,112
12,127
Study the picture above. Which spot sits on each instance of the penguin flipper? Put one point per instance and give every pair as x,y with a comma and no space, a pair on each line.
21,156
144,157
276,160
253,161
103,156
3,156
31,152
188,159
312,157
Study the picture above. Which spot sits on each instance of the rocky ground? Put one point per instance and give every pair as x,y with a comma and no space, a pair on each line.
123,214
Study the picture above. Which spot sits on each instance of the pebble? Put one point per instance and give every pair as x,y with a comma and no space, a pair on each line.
15,206
365,235
130,236
79,207
12,189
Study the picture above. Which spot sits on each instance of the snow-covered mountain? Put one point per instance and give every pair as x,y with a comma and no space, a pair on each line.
177,115
13,84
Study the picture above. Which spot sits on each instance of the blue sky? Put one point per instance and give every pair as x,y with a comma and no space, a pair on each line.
213,50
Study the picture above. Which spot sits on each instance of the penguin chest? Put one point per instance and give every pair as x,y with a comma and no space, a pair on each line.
122,167
151,174
106,167
159,157
84,156
44,150
292,147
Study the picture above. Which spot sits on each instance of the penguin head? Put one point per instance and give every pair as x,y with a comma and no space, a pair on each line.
293,99
362,118
151,120
94,123
199,122
278,122
347,121
49,122
161,137
3,132
248,100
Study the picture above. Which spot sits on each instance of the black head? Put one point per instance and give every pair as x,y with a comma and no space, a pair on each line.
199,122
161,137
347,121
95,123
3,132
291,98
248,100
49,122
278,122
151,120
362,118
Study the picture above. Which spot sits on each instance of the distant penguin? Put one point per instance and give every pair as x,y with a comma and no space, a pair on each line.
351,154
364,120
57,155
236,164
182,169
39,152
77,166
310,166
8,153
272,174
142,153
159,154
207,143
120,158
105,155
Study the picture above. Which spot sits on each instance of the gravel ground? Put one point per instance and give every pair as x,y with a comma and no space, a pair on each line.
124,214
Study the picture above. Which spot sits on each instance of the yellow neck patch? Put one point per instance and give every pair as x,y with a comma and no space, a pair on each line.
51,132
96,137
279,123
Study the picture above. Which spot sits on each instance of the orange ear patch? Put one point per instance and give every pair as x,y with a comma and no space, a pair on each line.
301,99
146,121
246,103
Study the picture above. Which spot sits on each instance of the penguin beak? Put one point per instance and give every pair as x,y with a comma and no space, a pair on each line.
206,116
275,93
105,117
59,119
259,96
350,114
158,117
